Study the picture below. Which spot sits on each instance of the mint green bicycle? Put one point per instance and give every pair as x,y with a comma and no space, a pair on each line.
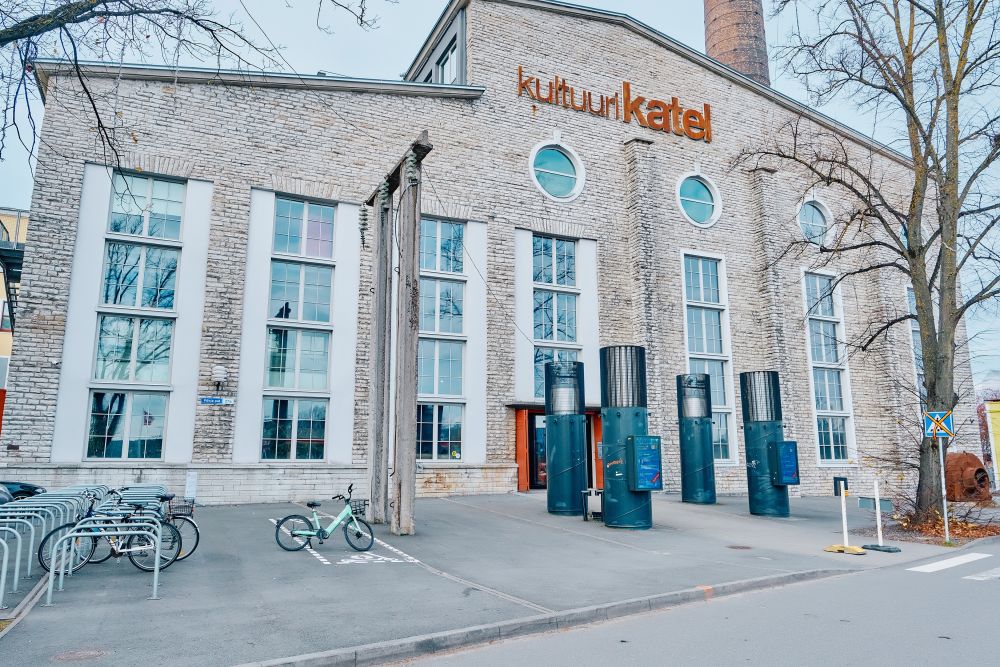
296,532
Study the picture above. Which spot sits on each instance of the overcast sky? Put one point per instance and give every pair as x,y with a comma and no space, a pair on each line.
384,53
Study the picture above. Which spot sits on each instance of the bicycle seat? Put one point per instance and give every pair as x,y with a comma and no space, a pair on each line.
313,503
166,498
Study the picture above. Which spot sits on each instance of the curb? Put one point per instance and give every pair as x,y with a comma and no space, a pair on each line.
421,645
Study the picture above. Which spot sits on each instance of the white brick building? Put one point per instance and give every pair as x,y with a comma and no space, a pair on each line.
559,216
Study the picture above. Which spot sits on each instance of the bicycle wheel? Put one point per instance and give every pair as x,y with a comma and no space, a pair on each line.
142,548
83,547
102,551
359,534
190,535
284,532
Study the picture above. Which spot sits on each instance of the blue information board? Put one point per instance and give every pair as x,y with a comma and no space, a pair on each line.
645,464
784,460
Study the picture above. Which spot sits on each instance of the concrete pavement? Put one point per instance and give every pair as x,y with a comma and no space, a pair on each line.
475,561
938,611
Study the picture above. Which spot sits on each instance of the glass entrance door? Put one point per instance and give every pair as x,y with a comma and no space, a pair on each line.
536,451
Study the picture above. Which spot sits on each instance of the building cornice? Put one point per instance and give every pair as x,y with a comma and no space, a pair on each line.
47,68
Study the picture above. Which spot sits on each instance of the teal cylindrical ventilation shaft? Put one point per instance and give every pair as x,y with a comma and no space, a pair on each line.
761,396
694,411
623,416
565,437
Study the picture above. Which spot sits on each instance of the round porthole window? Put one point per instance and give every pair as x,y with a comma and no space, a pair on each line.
557,172
812,222
699,201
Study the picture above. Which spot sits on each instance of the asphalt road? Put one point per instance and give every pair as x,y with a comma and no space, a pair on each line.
944,612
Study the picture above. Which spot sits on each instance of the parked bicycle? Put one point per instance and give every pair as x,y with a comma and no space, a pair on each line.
296,532
140,549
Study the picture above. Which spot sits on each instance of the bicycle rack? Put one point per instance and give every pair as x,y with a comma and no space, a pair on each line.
64,565
3,573
31,539
17,560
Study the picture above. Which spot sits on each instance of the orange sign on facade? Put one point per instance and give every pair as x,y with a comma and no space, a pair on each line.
624,105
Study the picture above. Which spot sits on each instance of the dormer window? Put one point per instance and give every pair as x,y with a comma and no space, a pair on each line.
447,66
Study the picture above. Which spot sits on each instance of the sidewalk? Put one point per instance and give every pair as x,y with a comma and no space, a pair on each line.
475,561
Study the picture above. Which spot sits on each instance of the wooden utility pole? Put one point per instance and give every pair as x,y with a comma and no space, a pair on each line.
403,481
378,430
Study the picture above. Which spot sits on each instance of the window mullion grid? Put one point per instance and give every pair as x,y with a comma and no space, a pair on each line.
839,366
127,429
293,431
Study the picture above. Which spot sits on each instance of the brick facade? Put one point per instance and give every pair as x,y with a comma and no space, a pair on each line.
336,144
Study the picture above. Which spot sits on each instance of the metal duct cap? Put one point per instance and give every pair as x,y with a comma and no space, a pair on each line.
761,396
694,395
623,376
564,388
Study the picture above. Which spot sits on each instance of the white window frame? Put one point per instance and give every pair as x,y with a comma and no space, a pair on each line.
436,337
301,256
326,264
434,395
136,312
295,399
726,357
143,245
555,288
712,188
581,172
129,395
437,278
297,369
131,384
450,56
437,271
144,236
299,326
827,216
843,366
435,424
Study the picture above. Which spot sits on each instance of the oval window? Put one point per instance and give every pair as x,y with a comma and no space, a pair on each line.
555,172
812,221
697,200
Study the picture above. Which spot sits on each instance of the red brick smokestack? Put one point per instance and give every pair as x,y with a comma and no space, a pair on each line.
734,35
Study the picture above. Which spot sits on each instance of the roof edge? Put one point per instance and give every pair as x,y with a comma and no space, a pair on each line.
629,23
449,13
45,68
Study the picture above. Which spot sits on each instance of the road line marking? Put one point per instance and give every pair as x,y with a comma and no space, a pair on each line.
299,540
988,575
949,562
458,580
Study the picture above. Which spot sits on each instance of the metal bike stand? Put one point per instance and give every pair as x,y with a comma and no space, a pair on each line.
17,556
31,539
63,564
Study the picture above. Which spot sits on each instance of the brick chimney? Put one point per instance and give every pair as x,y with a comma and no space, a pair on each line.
734,35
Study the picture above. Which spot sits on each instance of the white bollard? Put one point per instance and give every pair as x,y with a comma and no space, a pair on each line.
878,513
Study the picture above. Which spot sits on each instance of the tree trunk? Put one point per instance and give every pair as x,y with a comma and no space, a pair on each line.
929,482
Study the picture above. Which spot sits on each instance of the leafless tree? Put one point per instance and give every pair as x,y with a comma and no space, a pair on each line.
164,32
928,70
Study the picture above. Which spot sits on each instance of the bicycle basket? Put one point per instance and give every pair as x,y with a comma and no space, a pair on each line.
359,507
181,508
